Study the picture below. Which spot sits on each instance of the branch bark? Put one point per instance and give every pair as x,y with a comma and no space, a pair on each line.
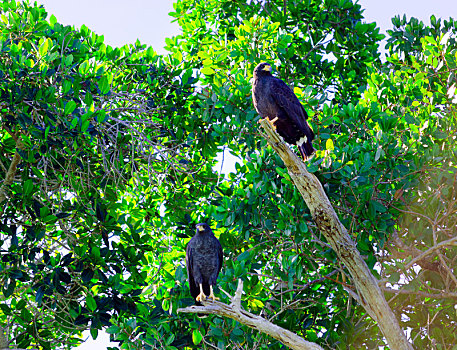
326,219
234,311
3,339
11,172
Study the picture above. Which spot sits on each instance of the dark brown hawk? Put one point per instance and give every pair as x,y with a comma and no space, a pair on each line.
204,262
274,100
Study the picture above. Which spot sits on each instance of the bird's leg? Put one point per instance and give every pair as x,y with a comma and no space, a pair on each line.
211,294
202,295
273,121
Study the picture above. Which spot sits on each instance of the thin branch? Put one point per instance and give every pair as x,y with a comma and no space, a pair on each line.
11,172
449,242
444,295
400,250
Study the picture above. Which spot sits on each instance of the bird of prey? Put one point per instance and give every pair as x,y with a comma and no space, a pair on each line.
204,262
275,100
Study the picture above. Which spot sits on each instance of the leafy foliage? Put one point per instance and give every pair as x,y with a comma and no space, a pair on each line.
109,160
83,120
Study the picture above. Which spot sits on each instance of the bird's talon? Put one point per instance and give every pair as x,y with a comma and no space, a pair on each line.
201,297
212,296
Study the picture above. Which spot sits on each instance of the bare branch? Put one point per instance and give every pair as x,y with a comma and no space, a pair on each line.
444,295
443,244
234,311
400,250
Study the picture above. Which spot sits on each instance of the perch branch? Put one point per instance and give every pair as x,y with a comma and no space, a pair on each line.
234,311
326,219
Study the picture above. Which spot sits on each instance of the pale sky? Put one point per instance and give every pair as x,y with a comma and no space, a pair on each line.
123,22
120,22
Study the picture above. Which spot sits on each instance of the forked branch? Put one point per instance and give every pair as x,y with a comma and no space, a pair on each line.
235,311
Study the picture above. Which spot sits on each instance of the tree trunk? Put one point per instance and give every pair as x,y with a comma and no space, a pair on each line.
326,219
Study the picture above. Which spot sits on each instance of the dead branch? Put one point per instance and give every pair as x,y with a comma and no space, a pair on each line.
235,311
326,219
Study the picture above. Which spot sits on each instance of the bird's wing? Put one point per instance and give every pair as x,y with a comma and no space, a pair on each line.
194,290
288,102
189,260
220,255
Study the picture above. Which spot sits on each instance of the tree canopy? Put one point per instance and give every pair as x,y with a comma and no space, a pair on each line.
110,156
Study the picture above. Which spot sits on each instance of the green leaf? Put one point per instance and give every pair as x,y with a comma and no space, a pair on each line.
49,219
52,20
439,135
410,119
21,304
6,309
329,145
243,256
378,206
85,125
74,122
66,86
207,70
9,291
70,107
69,60
94,333
126,288
196,336
113,329
394,277
28,187
90,303
84,68
44,47
170,339
103,85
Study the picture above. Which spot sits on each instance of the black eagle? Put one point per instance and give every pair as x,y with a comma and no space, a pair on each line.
274,100
204,262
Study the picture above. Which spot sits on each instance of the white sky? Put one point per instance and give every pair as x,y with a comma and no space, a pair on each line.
120,22
123,22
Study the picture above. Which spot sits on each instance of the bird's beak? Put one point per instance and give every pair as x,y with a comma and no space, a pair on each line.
200,228
267,68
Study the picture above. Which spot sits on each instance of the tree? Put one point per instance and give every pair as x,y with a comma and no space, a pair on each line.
109,157
82,125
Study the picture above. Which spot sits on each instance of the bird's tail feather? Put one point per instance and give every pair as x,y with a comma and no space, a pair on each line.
306,150
197,303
